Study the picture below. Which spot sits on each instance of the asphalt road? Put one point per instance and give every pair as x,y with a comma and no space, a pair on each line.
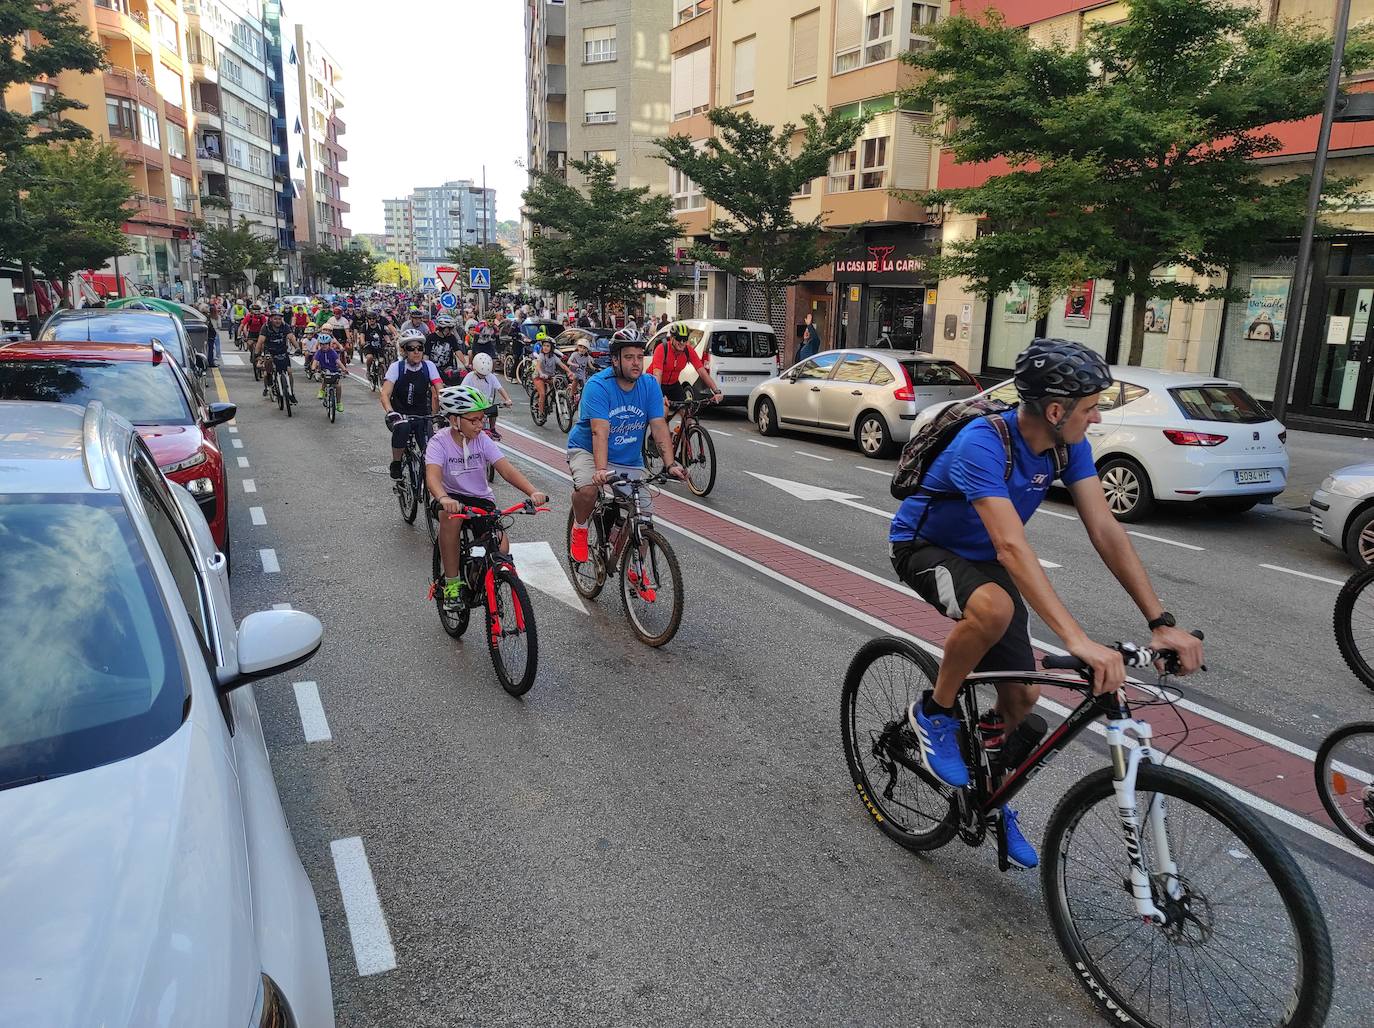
670,837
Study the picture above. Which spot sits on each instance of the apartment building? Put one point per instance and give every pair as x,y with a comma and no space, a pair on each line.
317,164
449,215
283,98
398,221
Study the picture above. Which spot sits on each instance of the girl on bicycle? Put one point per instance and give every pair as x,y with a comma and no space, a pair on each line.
327,360
547,364
484,380
456,462
580,364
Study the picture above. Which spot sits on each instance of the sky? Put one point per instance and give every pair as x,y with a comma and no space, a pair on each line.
431,92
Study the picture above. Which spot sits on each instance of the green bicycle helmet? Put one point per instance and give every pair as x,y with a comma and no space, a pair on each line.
461,400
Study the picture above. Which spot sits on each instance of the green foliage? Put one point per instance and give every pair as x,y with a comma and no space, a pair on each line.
343,269
393,273
477,255
749,170
231,251
607,244
1131,154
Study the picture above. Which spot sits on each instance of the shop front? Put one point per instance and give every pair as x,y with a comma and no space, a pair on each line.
883,295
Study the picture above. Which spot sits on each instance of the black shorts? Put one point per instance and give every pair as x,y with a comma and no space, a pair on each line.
675,392
281,361
946,581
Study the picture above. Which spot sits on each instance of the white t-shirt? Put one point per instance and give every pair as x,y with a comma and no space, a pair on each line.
488,386
393,373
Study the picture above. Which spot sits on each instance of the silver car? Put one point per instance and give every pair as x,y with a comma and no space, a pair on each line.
1343,512
872,396
149,875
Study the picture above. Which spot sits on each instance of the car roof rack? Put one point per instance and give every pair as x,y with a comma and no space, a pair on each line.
93,445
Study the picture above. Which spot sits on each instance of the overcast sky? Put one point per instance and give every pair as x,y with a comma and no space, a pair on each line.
431,92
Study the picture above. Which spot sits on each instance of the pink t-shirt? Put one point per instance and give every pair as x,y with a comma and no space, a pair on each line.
464,472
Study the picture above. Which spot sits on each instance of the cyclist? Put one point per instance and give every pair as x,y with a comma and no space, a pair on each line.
252,324
961,544
374,335
340,327
275,341
618,405
670,360
484,341
547,364
411,390
416,322
456,464
484,380
441,347
326,361
580,364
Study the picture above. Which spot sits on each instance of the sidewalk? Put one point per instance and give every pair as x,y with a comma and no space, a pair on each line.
1315,455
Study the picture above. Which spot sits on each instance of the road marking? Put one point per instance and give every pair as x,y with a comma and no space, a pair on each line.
259,518
716,431
269,561
231,360
874,471
281,606
1048,563
233,430
219,387
249,486
814,456
313,721
1161,539
1057,514
540,568
237,443
243,462
367,928
1303,574
806,491
760,442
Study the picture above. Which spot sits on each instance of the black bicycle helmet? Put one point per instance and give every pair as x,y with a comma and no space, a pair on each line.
621,340
1052,368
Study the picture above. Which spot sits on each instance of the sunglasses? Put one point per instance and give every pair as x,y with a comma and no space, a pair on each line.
415,349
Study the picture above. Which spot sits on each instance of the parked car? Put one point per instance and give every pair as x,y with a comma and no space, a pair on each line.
142,384
1343,512
195,323
1179,437
872,396
150,877
104,324
738,354
598,342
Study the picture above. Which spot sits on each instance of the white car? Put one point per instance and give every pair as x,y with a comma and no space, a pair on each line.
1178,437
1343,512
738,354
147,875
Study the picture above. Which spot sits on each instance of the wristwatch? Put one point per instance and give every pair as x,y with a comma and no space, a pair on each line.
1165,620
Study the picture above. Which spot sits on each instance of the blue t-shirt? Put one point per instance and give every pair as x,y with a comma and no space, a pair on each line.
628,412
973,464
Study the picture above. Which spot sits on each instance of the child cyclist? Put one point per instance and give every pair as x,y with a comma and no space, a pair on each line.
547,364
581,365
328,360
456,462
484,380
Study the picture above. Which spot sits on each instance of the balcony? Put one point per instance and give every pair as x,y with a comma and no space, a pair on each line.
143,207
137,151
210,160
203,72
556,82
555,23
557,135
130,83
117,18
207,114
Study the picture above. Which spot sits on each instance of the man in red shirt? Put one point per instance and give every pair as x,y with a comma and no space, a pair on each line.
251,326
670,360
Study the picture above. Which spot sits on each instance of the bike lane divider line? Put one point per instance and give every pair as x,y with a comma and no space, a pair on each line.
249,486
716,431
1161,539
1303,574
243,462
1275,771
257,515
313,722
237,443
219,387
282,606
760,442
372,948
233,430
814,456
874,471
1056,514
269,562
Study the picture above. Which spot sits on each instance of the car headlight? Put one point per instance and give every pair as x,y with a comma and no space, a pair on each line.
200,487
1328,483
270,1009
192,461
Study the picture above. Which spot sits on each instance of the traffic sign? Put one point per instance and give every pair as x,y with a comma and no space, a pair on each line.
479,278
447,275
427,282
448,301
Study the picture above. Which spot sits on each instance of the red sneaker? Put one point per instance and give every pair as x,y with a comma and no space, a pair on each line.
578,545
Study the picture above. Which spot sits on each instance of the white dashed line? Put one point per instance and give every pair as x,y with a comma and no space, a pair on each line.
269,561
1048,563
1057,514
259,518
874,471
238,443
1303,574
233,430
814,456
243,462
716,431
281,606
1161,539
231,360
313,721
249,486
372,947
760,442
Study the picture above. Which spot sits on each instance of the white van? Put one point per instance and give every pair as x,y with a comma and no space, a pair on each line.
739,354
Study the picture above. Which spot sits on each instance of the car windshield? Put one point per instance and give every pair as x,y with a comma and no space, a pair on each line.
123,327
740,343
145,393
91,671
1219,403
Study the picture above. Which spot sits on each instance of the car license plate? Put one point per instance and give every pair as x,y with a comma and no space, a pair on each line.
734,378
1250,477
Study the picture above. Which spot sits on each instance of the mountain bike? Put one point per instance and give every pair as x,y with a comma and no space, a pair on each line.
524,373
410,488
1166,895
331,393
1344,770
1353,621
374,373
692,446
621,538
280,386
490,581
536,415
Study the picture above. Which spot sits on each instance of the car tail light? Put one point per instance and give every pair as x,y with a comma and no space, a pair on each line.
905,393
1181,438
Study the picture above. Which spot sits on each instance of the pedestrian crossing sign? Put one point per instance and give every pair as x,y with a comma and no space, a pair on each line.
479,278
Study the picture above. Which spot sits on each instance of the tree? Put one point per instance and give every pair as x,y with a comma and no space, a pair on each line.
230,251
609,244
477,255
393,273
353,269
1130,155
317,262
748,169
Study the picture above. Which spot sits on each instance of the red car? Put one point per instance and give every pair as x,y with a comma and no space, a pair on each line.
146,386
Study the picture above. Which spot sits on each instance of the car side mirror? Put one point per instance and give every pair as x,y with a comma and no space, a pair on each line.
198,359
273,641
221,412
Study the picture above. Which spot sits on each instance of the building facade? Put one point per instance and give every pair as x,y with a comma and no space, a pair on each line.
446,216
317,128
398,220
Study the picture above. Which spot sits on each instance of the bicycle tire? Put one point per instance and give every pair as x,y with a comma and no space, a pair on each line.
942,815
257,369
286,394
515,684
1329,778
331,402
408,496
653,460
431,520
695,436
653,540
455,623
1342,621
562,408
1311,993
535,415
588,581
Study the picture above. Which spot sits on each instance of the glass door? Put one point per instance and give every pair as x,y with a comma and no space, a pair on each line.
1341,353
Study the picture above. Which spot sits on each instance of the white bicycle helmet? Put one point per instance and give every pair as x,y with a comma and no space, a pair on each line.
443,321
411,335
482,364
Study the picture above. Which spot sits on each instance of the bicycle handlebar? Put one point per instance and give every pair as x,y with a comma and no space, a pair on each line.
527,507
1132,655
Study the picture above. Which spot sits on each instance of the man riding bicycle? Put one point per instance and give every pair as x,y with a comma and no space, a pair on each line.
670,361
411,390
442,347
960,543
275,342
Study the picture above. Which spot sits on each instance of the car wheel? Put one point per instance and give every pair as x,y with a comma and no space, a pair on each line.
1127,488
1359,539
766,417
1234,504
871,434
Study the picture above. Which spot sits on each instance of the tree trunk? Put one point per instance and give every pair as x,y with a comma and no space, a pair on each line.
1137,351
768,295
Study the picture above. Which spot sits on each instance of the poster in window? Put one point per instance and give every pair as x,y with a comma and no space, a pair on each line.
1078,305
1016,306
1360,328
1157,315
1266,312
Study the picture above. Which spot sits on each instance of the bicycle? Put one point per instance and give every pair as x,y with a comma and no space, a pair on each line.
280,389
555,398
1353,622
331,393
1344,770
692,446
524,373
411,485
1124,875
374,373
512,638
564,402
621,537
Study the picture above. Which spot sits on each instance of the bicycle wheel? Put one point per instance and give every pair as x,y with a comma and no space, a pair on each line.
535,415
1353,620
431,518
455,620
651,589
331,403
589,578
1244,942
699,455
513,638
562,407
653,460
406,492
1345,770
257,368
910,806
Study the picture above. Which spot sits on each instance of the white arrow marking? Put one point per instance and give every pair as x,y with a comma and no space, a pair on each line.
541,569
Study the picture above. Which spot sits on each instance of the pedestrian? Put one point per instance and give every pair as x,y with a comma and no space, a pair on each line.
810,339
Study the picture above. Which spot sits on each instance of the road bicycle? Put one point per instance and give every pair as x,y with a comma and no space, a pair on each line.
1172,903
330,382
410,487
622,539
1353,621
491,581
1344,770
692,446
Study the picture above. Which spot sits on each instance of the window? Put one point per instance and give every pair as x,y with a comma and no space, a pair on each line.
166,525
181,193
873,171
744,70
806,35
923,16
689,9
878,36
598,106
687,195
1219,403
857,370
818,366
864,32
936,373
605,156
167,33
148,126
691,81
842,168
736,343
39,94
176,139
121,118
598,44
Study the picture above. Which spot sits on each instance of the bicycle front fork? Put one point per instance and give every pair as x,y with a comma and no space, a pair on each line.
1127,752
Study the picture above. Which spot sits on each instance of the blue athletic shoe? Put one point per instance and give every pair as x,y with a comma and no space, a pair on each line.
939,738
1019,851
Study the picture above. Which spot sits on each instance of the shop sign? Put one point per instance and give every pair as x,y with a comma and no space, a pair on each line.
886,257
854,293
932,297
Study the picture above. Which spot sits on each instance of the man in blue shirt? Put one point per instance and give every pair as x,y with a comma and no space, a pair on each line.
618,405
961,544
